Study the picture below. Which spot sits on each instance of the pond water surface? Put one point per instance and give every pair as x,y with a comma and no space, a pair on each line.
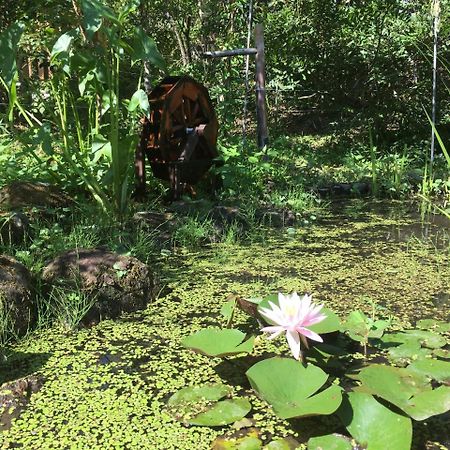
107,387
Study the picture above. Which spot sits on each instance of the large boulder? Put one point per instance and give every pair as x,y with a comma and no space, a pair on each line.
24,194
17,309
117,283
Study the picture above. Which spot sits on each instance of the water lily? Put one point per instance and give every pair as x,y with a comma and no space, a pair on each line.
293,315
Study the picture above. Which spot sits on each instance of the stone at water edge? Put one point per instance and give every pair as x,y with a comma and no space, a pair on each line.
16,301
24,194
118,283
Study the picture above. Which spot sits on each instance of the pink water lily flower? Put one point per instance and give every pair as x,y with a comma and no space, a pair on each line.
292,316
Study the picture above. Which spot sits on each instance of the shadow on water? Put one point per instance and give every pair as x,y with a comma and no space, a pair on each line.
410,222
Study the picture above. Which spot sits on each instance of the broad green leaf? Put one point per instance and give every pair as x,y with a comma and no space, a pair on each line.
329,325
373,425
330,442
210,392
9,41
432,368
425,338
248,442
360,327
216,342
139,100
433,325
282,444
62,45
62,50
93,14
200,405
145,49
84,82
409,351
223,413
100,147
407,389
291,388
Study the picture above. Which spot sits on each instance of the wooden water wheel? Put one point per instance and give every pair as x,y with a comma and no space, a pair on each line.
179,138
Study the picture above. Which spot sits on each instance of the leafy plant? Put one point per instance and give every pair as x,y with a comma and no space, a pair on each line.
69,307
215,342
373,425
407,389
202,405
291,388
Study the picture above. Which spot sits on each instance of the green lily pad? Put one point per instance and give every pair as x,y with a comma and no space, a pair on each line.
441,353
409,351
425,338
216,342
329,325
281,444
330,442
373,425
291,388
200,405
250,441
432,368
435,325
223,413
408,390
210,392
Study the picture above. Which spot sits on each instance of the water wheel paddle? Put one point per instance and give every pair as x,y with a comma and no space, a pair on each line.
179,138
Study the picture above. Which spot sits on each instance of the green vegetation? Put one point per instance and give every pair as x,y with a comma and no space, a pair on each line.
348,203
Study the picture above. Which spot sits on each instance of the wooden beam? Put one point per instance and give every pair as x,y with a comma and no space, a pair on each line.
235,52
261,114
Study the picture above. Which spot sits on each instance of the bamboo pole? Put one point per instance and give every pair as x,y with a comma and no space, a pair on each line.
435,11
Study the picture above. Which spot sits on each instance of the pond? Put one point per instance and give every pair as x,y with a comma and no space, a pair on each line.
108,386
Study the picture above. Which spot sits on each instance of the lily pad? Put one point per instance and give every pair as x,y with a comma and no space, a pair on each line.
223,413
373,425
409,351
425,338
435,325
200,405
291,388
408,390
210,392
216,342
432,368
330,442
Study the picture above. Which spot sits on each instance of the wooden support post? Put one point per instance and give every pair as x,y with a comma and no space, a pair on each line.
261,114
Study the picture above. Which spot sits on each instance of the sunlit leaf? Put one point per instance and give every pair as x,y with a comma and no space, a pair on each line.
330,442
201,405
145,49
407,389
292,389
373,425
216,342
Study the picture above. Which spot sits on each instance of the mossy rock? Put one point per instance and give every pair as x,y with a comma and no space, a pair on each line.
24,194
119,283
17,310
